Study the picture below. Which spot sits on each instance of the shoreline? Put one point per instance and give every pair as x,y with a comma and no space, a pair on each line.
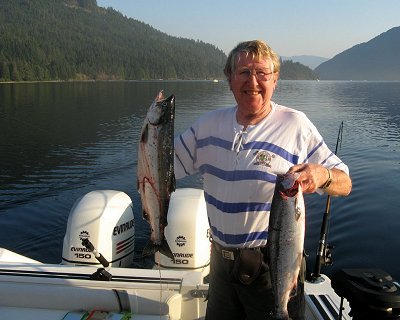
122,80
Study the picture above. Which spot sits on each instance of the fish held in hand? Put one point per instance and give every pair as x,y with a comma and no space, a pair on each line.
155,170
285,240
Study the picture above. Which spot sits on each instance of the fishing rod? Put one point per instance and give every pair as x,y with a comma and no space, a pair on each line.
324,252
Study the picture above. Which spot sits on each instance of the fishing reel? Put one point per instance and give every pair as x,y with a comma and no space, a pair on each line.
323,258
326,258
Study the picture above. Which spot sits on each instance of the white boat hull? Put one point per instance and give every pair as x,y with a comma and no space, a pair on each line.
41,291
30,289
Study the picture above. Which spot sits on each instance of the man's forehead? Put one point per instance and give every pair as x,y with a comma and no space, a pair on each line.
245,59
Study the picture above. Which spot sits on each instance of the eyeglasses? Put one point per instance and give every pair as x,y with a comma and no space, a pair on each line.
261,75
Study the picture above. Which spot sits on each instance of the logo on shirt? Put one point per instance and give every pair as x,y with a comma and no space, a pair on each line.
263,158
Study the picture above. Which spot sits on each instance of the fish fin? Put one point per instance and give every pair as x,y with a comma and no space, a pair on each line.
166,250
152,248
149,249
145,134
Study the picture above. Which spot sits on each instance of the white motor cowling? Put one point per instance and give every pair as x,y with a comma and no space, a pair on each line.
105,218
187,232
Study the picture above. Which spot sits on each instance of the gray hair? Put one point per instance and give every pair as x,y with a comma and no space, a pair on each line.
258,49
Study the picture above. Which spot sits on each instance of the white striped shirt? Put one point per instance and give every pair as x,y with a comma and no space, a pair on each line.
239,167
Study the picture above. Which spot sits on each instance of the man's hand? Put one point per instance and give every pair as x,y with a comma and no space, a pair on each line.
313,176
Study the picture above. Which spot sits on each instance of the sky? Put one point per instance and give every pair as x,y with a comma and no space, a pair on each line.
321,28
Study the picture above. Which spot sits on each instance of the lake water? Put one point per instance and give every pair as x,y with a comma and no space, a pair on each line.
59,141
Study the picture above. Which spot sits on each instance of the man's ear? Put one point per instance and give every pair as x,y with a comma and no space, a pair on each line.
276,78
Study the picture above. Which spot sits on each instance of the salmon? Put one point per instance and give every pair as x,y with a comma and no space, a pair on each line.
285,241
155,170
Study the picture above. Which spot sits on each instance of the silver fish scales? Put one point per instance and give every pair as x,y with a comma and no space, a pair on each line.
155,170
285,241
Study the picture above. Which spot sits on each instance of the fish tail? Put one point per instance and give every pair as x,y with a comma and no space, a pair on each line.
166,250
149,249
163,248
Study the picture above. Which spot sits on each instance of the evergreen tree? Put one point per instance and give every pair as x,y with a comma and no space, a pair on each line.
76,39
296,71
4,71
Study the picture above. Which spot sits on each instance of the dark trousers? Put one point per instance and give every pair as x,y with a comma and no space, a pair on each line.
228,298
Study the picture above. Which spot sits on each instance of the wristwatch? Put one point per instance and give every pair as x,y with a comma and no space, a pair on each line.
327,182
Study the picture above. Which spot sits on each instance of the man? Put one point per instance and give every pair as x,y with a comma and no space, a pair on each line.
239,151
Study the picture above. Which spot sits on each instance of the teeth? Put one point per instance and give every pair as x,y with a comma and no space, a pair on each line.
253,93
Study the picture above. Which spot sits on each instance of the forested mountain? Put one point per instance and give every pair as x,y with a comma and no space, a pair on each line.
296,71
77,40
377,59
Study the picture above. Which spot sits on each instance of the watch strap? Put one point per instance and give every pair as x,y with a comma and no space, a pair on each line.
329,181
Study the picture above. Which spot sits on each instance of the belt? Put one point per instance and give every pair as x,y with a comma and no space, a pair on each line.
226,252
230,253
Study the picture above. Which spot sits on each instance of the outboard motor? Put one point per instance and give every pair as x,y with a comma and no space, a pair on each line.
105,217
372,293
187,232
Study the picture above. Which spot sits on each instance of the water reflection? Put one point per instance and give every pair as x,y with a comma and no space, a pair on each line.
61,140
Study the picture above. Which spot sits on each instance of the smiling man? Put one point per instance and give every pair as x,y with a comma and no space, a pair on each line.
252,82
239,151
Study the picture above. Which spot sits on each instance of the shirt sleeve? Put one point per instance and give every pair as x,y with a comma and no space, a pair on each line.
185,154
320,153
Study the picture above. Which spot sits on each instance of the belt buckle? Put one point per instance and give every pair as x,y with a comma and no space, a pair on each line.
229,255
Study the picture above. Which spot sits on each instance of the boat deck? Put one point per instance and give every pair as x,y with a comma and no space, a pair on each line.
32,290
323,303
38,291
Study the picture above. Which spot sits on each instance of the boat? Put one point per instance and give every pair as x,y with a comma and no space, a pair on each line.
96,278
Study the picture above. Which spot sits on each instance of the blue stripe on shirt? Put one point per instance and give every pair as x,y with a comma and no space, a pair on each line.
186,147
257,145
237,175
182,165
261,145
327,158
313,150
214,141
237,207
235,239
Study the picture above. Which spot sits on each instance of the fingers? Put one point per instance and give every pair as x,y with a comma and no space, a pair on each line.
308,176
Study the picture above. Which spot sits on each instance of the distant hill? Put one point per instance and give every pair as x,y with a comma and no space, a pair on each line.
377,59
77,40
310,61
296,71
